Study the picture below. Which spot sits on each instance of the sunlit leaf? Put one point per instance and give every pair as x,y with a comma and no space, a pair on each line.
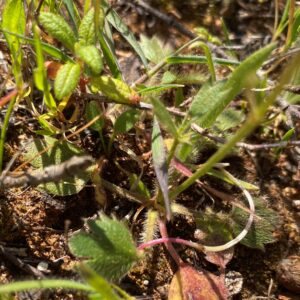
212,100
66,80
91,56
115,90
120,26
86,32
57,27
108,249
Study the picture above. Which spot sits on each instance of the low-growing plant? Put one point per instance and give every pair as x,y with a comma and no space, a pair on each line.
88,66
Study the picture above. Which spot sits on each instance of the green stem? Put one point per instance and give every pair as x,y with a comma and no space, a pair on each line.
43,284
291,23
4,129
252,122
172,151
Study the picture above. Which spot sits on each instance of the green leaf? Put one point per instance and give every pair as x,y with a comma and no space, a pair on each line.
49,49
40,76
164,117
108,249
199,59
87,33
110,57
126,121
229,118
57,27
73,13
115,20
66,80
210,101
222,174
160,165
154,49
261,232
159,88
102,287
93,110
13,20
91,56
115,90
60,152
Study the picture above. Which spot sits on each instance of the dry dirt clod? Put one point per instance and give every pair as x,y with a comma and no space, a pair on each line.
288,273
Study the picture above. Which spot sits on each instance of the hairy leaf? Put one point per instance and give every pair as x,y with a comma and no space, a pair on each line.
164,117
91,56
86,32
210,101
154,49
103,287
57,27
261,232
108,249
60,152
66,80
115,90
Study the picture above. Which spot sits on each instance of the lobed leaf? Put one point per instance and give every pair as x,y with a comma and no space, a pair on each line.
108,249
66,80
57,27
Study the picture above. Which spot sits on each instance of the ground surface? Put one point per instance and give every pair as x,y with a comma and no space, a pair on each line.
35,226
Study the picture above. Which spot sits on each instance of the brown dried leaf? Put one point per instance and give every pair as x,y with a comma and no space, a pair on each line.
188,283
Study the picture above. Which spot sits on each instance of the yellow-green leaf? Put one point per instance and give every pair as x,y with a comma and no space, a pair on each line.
57,27
115,90
66,80
91,56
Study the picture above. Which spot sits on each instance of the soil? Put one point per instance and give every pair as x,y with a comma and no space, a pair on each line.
35,226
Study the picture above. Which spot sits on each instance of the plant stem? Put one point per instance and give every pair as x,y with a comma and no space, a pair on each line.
168,245
4,129
251,123
291,21
43,284
172,151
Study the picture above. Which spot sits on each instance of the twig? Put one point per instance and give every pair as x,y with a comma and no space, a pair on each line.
19,263
52,173
171,22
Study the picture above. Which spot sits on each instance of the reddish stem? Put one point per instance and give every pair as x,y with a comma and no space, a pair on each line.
168,244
